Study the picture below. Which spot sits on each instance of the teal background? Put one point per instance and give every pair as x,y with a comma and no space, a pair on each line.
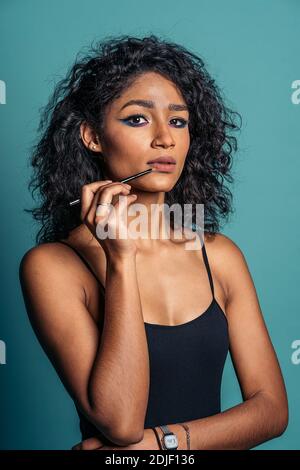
252,49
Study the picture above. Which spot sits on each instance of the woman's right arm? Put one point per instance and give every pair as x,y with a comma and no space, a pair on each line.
108,376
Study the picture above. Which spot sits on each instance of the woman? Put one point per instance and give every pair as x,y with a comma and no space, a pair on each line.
138,329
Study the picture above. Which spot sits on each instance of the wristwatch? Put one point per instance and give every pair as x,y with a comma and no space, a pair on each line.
169,439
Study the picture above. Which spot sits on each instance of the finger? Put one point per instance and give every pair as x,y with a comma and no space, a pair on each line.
105,195
77,446
91,443
105,214
108,448
122,207
124,202
115,218
88,192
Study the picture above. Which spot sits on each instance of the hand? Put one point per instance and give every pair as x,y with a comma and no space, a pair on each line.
92,443
149,442
107,191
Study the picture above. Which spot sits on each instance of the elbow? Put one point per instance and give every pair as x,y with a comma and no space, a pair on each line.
282,423
120,429
121,432
125,437
280,418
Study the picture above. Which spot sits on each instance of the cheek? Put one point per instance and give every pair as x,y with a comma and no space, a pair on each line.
113,142
124,151
184,144
187,139
125,140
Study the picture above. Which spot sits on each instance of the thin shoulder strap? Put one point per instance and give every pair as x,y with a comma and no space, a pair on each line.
207,265
84,261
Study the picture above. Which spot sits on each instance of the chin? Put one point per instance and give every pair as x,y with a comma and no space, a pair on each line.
161,186
163,182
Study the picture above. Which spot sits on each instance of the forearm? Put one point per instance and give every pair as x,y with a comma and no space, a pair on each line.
244,426
119,381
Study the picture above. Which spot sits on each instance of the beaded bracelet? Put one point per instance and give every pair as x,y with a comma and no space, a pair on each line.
187,430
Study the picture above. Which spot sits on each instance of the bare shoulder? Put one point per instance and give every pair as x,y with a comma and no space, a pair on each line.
46,255
51,264
227,259
221,244
45,251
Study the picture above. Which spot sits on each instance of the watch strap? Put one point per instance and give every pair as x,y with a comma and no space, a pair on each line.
160,443
165,429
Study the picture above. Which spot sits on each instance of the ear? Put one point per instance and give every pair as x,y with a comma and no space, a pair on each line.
89,137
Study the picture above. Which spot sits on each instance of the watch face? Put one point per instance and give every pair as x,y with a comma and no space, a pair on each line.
171,441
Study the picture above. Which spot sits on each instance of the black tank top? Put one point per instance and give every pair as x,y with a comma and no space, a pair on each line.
186,366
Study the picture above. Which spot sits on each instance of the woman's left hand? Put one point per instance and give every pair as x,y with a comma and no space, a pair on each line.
149,442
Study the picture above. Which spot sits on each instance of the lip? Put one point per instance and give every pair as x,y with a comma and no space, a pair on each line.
163,159
165,167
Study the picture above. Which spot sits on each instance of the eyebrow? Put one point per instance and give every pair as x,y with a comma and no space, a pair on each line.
150,104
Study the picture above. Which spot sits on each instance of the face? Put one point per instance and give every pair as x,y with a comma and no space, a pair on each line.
135,133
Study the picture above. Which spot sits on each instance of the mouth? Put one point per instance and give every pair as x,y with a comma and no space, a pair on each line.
164,167
164,164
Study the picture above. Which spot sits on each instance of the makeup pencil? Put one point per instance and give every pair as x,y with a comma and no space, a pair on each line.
129,178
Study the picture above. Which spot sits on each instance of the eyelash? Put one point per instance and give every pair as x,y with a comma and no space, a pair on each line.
184,121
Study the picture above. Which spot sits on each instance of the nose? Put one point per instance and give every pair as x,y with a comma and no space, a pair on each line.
163,137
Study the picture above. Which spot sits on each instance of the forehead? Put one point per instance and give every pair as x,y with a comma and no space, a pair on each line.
151,86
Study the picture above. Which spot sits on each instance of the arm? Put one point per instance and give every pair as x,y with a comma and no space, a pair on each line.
104,377
264,413
119,383
241,427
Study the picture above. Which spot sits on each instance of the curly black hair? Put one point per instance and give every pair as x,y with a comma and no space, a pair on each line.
62,164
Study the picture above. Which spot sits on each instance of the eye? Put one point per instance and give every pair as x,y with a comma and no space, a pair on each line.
134,121
135,117
184,122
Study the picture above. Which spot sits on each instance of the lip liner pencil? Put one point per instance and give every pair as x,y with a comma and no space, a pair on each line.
137,175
